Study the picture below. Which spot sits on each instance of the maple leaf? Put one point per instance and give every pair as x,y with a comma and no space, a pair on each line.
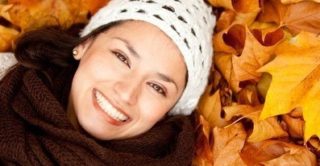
228,143
276,152
295,81
302,16
296,1
203,154
262,129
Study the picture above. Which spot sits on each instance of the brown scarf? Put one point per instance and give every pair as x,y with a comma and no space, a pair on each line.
35,130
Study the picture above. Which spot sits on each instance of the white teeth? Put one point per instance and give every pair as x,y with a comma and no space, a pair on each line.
109,109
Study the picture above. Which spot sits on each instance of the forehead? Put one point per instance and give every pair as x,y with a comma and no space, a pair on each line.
140,33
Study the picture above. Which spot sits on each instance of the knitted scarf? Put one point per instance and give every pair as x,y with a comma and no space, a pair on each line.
35,130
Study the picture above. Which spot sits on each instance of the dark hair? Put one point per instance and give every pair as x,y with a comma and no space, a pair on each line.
50,47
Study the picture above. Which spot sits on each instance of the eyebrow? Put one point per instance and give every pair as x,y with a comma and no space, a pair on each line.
134,53
167,79
129,47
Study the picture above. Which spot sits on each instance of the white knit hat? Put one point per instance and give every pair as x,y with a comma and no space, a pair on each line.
189,23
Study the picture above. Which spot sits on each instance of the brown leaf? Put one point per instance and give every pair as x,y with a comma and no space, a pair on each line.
275,152
248,96
302,16
203,154
228,143
295,126
294,156
262,151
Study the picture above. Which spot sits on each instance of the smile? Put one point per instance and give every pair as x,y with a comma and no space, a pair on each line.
109,109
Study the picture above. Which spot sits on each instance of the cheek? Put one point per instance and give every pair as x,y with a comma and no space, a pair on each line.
152,109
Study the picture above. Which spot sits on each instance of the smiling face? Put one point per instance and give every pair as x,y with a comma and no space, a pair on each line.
128,78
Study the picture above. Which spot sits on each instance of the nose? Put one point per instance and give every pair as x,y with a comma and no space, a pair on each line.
128,90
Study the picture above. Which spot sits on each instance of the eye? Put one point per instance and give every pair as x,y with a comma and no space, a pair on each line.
158,89
122,58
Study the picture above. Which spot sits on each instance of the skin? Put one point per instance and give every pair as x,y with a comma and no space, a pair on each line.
137,69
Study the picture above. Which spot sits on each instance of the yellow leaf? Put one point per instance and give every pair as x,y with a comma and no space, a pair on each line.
6,37
228,143
295,81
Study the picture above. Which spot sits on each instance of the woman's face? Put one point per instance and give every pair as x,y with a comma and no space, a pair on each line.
127,80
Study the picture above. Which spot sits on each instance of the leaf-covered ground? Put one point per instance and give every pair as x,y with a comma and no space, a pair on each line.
262,106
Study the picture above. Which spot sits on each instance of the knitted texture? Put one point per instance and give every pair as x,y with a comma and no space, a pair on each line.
189,23
35,129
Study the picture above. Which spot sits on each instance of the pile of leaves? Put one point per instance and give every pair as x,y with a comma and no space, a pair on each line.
261,106
19,16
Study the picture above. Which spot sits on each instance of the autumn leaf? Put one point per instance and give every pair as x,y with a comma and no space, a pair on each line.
294,156
228,143
295,81
203,154
257,51
262,129
276,152
210,108
6,37
24,15
296,1
302,16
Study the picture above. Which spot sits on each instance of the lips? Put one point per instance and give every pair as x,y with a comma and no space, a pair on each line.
115,115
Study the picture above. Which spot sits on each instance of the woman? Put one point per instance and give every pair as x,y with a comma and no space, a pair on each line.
117,95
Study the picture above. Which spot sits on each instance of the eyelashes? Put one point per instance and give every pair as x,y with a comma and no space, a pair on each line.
158,89
125,60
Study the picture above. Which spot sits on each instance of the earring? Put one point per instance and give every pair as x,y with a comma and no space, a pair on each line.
75,54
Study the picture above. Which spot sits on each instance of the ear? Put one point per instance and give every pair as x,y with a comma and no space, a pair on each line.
80,50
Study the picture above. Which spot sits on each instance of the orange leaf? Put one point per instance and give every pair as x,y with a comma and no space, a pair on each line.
275,152
228,143
257,51
6,37
302,16
262,129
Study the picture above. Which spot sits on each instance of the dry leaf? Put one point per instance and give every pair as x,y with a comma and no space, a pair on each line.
275,152
295,126
262,129
262,151
302,16
203,154
296,1
248,96
224,64
295,72
210,108
228,143
257,51
24,15
7,36
294,156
